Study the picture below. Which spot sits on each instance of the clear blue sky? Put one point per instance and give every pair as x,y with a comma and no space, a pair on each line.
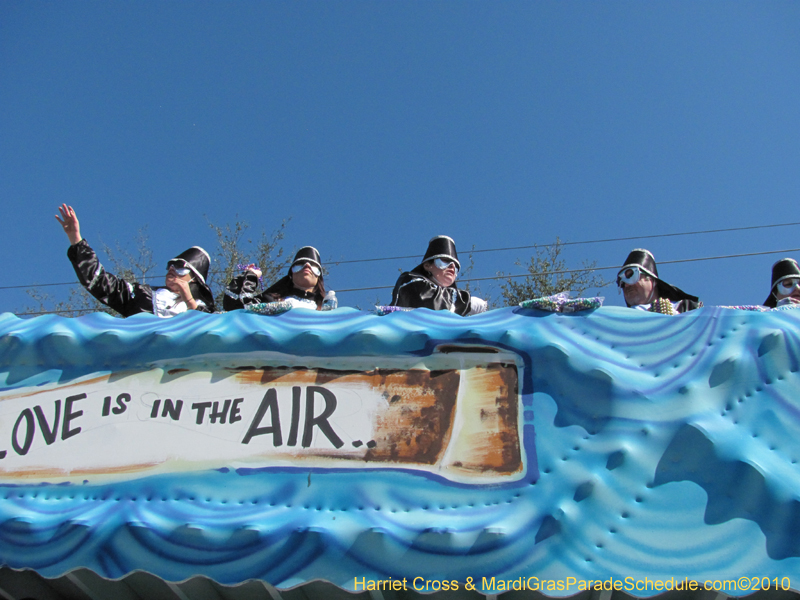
376,125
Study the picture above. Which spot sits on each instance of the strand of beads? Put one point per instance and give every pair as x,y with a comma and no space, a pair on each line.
385,310
561,302
663,306
269,308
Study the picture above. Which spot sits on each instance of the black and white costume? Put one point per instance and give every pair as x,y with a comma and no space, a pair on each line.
244,289
417,288
785,268
666,298
133,298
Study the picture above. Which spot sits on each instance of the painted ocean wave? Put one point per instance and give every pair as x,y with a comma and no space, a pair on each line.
656,447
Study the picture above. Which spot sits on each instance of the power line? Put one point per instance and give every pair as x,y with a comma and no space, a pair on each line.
566,271
416,256
562,272
621,239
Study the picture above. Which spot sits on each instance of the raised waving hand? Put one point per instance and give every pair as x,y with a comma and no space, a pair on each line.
69,221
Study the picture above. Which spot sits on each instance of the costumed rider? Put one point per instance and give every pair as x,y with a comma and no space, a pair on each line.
303,286
643,290
785,284
185,286
431,284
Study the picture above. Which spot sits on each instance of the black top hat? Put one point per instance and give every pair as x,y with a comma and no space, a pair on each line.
785,268
647,263
284,287
442,247
643,259
306,254
196,259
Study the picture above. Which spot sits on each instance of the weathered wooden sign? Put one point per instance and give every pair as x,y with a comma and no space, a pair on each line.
454,414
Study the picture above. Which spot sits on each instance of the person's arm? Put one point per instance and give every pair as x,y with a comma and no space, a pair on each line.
112,291
242,291
69,222
181,288
686,305
423,293
203,307
412,293
109,289
476,305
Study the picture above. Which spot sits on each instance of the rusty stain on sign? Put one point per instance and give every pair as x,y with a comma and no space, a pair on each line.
453,414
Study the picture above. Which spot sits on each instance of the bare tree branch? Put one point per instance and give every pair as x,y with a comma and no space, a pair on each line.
546,276
473,288
137,265
234,248
131,266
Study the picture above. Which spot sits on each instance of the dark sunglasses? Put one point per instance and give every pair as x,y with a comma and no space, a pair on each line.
297,267
180,271
445,264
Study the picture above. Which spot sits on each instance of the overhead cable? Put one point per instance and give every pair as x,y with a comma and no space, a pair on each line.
416,256
496,277
621,239
585,269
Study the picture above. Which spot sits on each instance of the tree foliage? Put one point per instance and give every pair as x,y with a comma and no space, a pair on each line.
547,270
132,265
234,247
548,274
474,288
77,303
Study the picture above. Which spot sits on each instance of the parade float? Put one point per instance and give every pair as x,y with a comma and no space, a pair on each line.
416,452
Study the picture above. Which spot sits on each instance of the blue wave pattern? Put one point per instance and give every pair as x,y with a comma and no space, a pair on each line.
666,446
